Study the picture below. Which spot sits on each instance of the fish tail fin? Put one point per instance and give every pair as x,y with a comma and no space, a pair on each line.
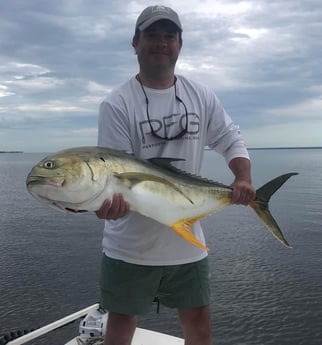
261,207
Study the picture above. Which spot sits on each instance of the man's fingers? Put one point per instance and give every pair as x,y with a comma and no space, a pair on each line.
243,193
114,209
103,211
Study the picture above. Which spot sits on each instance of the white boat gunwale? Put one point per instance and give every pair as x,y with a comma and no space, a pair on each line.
141,336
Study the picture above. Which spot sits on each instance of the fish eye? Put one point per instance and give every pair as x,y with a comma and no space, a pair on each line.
49,165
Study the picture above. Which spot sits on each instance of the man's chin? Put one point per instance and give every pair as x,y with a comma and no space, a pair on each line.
161,61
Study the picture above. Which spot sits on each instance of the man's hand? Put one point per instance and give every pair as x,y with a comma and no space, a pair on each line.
243,192
114,209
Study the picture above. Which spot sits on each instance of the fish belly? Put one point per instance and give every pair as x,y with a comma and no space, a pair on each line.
167,208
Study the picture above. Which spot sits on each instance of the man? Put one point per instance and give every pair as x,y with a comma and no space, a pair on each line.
160,114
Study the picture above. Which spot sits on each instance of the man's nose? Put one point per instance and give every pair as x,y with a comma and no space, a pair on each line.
161,40
161,43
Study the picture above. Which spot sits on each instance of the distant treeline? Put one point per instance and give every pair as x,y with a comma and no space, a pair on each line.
283,148
11,151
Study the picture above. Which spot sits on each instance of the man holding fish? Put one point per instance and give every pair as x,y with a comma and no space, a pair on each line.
160,114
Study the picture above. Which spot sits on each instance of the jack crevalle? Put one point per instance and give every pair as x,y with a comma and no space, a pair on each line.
80,179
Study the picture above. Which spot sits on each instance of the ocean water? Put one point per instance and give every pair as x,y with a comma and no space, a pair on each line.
262,292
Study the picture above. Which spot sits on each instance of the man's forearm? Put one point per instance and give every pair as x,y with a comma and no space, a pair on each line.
241,169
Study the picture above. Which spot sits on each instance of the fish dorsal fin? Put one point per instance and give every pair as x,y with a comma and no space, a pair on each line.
166,164
133,178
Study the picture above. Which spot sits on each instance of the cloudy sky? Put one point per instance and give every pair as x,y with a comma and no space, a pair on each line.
59,58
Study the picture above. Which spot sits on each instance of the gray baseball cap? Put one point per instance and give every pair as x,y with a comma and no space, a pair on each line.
152,14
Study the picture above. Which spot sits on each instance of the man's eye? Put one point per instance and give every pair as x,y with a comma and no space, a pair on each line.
171,37
151,35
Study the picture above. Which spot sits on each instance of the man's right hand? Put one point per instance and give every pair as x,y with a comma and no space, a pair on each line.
114,209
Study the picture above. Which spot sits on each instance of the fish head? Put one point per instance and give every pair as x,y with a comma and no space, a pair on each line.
67,181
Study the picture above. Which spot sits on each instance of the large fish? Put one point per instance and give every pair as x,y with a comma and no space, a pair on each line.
80,179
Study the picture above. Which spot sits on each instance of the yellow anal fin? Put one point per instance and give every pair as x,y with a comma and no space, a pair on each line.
183,229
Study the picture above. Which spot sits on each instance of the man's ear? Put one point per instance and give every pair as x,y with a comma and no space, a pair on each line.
180,41
134,42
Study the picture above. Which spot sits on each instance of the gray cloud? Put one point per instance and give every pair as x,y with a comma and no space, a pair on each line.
58,59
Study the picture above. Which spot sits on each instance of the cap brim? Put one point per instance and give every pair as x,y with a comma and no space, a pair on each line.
150,21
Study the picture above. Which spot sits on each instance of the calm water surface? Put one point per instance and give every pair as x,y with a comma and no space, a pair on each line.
262,292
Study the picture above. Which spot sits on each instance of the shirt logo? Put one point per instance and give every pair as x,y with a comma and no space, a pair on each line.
169,126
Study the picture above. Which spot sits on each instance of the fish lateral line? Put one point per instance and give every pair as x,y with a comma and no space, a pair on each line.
133,178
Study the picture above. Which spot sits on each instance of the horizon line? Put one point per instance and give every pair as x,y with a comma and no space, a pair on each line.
207,148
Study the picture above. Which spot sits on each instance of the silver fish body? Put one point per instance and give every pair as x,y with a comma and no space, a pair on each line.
80,179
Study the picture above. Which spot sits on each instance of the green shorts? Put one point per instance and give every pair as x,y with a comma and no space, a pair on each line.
130,289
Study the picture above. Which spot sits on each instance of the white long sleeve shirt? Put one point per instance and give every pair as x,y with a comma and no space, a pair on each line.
123,125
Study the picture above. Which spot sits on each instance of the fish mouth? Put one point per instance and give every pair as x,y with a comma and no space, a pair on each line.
42,180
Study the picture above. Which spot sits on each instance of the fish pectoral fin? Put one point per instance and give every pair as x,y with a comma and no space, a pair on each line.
183,229
131,179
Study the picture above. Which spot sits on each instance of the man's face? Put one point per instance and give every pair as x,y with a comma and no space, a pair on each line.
158,46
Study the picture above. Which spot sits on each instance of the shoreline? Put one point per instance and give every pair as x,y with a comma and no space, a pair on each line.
11,151
283,148
249,148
